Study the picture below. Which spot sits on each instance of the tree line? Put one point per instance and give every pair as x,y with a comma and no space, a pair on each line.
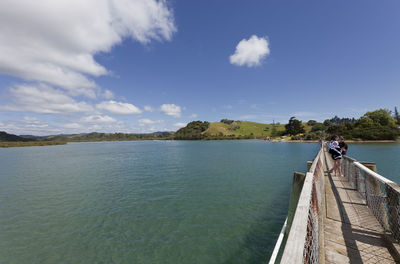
380,124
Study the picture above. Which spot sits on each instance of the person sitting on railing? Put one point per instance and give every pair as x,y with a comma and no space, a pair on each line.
335,151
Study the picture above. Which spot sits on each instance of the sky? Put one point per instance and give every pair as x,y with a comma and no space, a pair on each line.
140,66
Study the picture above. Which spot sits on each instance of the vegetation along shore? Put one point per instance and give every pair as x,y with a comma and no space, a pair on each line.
375,126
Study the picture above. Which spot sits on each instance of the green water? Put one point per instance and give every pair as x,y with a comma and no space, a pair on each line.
148,201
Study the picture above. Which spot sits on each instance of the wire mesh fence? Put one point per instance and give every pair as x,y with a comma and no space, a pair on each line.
303,245
380,194
312,245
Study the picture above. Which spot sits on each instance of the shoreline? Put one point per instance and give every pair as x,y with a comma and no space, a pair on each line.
16,144
5,144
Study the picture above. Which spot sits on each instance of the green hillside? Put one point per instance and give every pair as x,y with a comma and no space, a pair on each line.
243,128
229,129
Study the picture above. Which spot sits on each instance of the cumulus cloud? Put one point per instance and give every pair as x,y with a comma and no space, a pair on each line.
193,116
28,126
107,94
43,99
118,108
55,41
171,110
71,126
250,52
102,119
144,122
148,108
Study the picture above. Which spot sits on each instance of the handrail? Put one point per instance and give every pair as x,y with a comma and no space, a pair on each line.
278,244
294,247
372,173
303,241
381,195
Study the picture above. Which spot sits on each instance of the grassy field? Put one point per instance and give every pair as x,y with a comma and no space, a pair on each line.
242,128
30,144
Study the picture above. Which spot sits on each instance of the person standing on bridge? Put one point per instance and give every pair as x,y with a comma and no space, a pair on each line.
335,151
343,145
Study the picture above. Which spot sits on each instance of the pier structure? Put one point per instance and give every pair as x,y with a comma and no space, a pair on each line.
335,219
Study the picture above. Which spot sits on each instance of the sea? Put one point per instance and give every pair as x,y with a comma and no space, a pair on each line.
154,201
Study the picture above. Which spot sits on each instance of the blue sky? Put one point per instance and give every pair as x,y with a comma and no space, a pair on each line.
147,65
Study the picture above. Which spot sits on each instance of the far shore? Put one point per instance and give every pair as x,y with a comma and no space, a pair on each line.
53,143
13,144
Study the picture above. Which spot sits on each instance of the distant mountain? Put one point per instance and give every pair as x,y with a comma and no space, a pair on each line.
94,136
12,138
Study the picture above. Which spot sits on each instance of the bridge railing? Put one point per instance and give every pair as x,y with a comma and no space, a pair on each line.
380,194
304,241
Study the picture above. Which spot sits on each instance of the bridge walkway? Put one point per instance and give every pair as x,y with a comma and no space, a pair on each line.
352,233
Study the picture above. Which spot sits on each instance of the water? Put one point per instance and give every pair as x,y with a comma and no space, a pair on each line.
148,201
385,155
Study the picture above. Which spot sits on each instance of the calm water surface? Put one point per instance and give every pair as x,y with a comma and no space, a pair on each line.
152,201
385,155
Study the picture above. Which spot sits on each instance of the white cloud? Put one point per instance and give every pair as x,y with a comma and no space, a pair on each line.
250,52
108,94
34,122
43,99
118,107
72,126
193,116
171,110
102,119
28,126
55,41
143,122
179,125
148,108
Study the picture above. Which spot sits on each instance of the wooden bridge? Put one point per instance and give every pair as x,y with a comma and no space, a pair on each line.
334,219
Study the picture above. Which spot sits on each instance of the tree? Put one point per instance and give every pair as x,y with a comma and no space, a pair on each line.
227,121
193,130
396,116
318,127
381,117
311,122
274,132
294,126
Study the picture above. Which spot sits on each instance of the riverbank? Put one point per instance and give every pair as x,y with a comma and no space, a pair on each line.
12,144
53,143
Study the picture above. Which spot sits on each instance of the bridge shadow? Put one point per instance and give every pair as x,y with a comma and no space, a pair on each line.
348,235
352,234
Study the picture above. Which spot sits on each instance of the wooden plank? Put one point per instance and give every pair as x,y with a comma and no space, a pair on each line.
352,233
336,253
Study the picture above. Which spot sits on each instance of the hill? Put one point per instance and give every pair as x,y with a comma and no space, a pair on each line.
9,140
96,136
228,129
5,137
244,128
